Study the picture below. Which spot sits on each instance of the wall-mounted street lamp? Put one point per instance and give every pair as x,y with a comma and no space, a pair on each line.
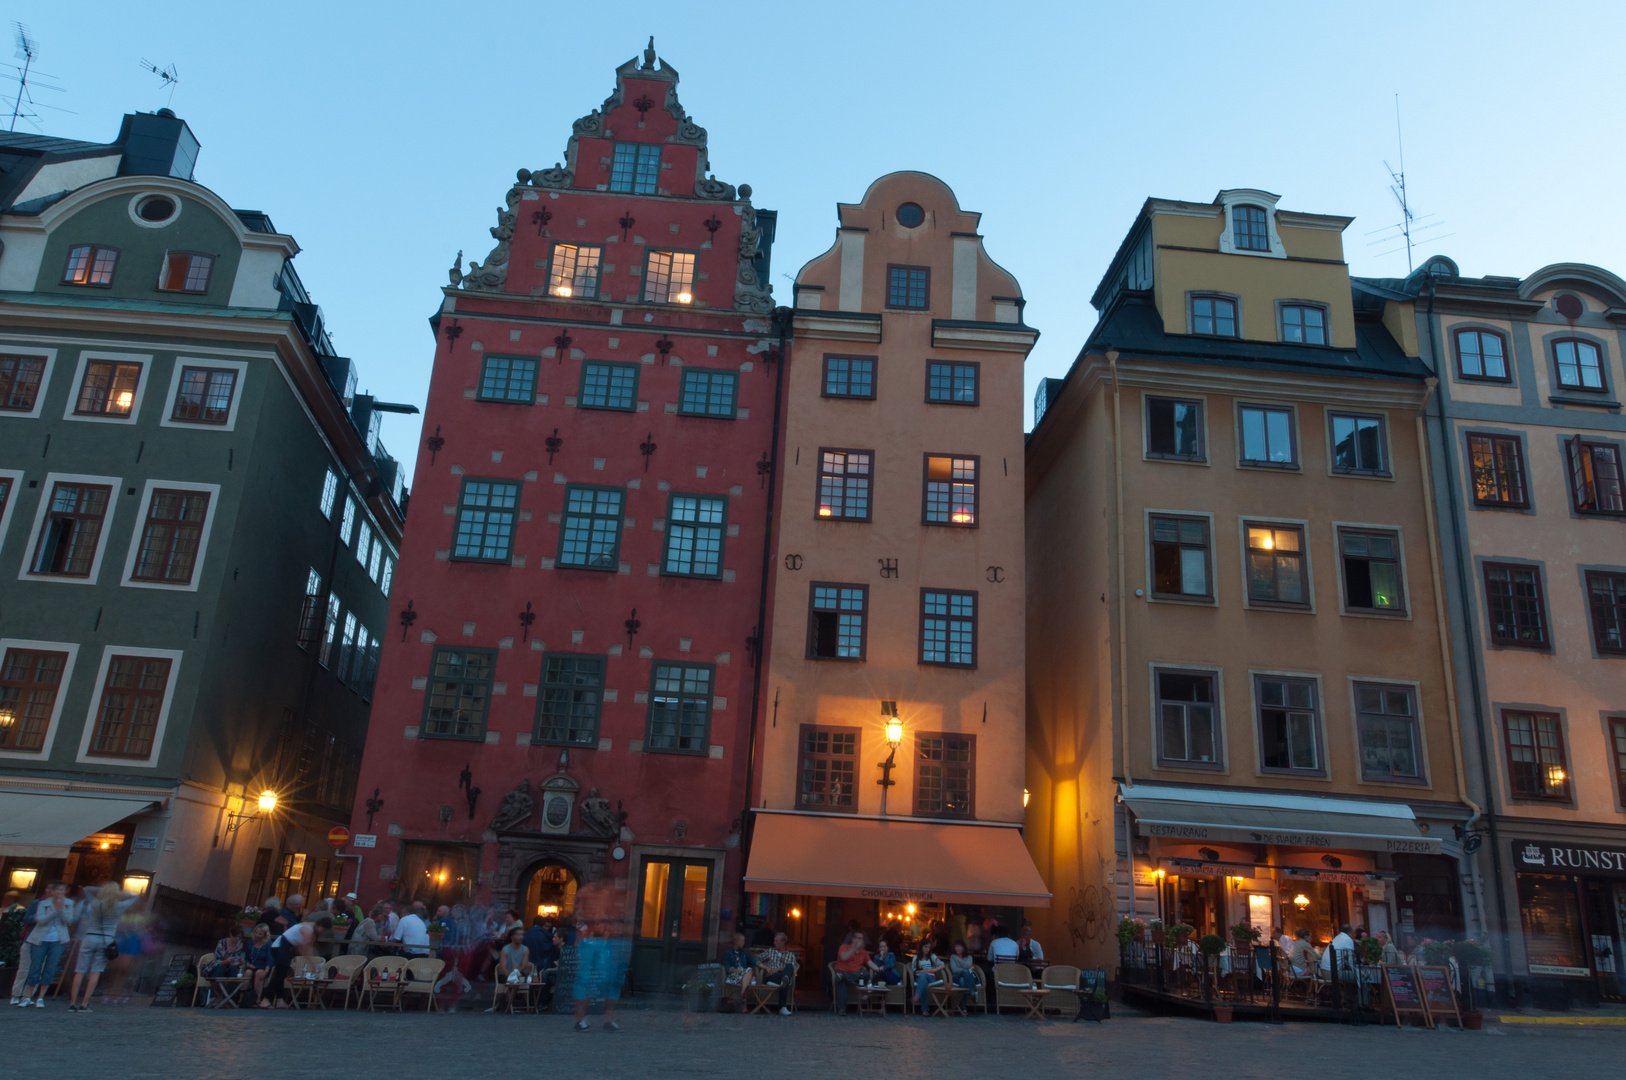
894,738
266,807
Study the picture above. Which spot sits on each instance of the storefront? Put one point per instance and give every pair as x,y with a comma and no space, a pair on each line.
1572,911
82,839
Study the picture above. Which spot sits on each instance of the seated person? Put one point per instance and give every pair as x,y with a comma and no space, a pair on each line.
962,969
1303,956
514,955
229,956
852,960
1343,944
778,966
884,966
1027,950
737,965
257,957
927,968
1003,948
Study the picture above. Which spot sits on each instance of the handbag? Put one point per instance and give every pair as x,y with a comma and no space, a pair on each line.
110,952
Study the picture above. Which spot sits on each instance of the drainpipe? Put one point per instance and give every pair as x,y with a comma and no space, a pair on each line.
782,318
1447,437
1123,615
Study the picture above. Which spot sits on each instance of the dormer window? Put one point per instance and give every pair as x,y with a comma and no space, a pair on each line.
1213,315
1250,230
186,271
636,168
90,264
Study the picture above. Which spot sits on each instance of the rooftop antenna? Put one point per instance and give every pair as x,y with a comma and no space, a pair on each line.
168,74
1410,228
28,51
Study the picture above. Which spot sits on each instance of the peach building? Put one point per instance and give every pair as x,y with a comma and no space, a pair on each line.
890,752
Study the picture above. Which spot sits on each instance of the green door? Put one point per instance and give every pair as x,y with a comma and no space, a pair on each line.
674,898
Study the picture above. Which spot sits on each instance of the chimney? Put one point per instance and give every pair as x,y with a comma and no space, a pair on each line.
157,144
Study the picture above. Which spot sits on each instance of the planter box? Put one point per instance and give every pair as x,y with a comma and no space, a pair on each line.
1222,1014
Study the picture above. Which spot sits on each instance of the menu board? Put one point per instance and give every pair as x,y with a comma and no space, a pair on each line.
1438,994
180,965
1401,991
564,985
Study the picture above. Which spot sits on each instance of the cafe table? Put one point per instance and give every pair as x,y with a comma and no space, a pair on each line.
1034,997
944,996
306,993
872,1000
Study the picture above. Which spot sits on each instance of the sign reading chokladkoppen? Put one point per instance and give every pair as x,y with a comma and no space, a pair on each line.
1547,857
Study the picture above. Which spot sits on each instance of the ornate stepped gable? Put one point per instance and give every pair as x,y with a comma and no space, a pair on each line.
750,294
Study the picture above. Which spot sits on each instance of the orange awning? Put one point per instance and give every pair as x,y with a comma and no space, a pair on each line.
896,859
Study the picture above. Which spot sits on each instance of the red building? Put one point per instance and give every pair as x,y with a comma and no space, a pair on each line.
568,697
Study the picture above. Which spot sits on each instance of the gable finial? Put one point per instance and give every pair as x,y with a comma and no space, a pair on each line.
649,54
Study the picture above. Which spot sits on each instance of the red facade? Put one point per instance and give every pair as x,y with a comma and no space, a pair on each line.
589,454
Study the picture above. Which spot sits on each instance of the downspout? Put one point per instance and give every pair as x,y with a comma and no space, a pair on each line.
782,317
1447,437
1123,615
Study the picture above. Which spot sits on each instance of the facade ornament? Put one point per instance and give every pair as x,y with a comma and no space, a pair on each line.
556,177
597,815
649,55
749,293
494,274
591,125
710,187
456,272
688,131
515,812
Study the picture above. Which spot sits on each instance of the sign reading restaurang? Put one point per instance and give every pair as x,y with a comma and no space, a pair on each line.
1541,856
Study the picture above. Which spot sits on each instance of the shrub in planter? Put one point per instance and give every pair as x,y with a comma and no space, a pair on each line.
1210,944
1130,930
1371,950
1436,952
1181,932
1158,933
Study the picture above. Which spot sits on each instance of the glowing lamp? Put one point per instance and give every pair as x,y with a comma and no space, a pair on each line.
824,511
563,290
268,801
961,518
894,732
1555,775
126,399
1025,797
137,883
796,913
684,298
23,880
910,908
7,718
1301,901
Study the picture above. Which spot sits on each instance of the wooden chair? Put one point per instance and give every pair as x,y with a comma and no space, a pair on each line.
342,974
1062,982
389,972
230,987
421,974
1009,982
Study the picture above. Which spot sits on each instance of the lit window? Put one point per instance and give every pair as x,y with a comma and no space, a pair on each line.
132,697
669,277
590,535
71,530
90,264
1249,230
20,382
1213,315
951,491
1595,477
908,287
844,484
636,168
485,520
836,622
170,537
108,389
1304,323
1276,564
186,271
608,386
1496,464
205,395
574,272
1535,755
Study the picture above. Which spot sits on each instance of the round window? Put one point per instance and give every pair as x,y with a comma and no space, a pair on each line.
1569,306
156,208
910,215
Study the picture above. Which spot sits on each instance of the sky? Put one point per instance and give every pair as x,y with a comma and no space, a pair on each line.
384,137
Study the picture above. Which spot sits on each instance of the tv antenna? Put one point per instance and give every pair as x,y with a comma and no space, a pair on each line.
168,74
1410,230
28,80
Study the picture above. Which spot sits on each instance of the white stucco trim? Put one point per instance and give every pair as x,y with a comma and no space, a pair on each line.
87,355
1229,201
963,297
45,380
16,478
852,272
72,649
141,520
108,652
47,487
167,419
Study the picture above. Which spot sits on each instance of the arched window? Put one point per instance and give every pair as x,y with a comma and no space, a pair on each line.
1579,364
1249,229
1481,354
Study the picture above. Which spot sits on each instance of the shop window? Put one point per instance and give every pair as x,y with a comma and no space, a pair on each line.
459,694
1387,718
1496,464
29,683
1180,558
1187,718
1551,915
1536,764
829,766
945,775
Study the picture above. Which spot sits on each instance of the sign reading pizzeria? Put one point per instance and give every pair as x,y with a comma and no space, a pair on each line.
1544,857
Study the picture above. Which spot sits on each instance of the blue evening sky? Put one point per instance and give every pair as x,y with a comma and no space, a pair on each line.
383,136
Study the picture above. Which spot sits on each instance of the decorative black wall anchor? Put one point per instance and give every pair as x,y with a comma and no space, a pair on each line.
408,617
465,780
996,574
793,562
889,567
553,443
540,218
374,805
753,647
632,626
436,441
643,105
526,618
764,467
454,331
712,224
647,448
664,347
562,345
627,222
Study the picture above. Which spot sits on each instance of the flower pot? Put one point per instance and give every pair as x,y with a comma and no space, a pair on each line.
1473,1021
1159,937
1222,1014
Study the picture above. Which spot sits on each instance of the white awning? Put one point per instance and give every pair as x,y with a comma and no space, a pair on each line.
44,825
1252,817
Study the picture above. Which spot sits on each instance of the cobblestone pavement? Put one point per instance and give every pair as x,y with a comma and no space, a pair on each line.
140,1041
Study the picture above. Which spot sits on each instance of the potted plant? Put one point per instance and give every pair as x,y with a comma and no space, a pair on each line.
1211,945
1159,934
1182,933
1243,936
1130,931
1470,954
1436,953
1370,950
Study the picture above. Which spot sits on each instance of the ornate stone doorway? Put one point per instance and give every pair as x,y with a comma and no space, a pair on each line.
550,893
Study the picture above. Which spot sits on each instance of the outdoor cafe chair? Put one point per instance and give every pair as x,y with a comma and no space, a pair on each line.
420,977
388,971
341,973
763,997
1062,982
230,987
1009,982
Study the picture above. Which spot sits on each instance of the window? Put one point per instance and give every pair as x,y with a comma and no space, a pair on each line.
20,378
72,528
1371,564
1387,718
169,540
1496,464
945,775
1617,753
569,699
908,287
709,393
364,546
1248,229
1276,565
844,479
386,574
1607,591
330,632
1289,724
835,629
694,535
377,560
1481,354
575,271
347,647
910,215
679,708
29,682
849,376
1579,364
829,768
951,384
1513,597
609,386
948,628
205,395
108,389
347,525
330,493
90,264
1174,429
1303,323
132,698
508,378
485,520
310,611
1595,480
1180,558
590,536
366,662
1213,315
186,271
1535,755
669,277
1187,718
1357,444
459,694
951,491
1267,436
636,168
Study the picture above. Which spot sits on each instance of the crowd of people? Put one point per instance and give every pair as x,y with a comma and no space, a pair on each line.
109,924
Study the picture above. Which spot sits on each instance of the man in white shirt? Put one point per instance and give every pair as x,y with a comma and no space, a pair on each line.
1026,948
1344,945
1003,949
412,932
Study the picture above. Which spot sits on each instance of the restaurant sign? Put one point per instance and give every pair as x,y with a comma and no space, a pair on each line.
1533,856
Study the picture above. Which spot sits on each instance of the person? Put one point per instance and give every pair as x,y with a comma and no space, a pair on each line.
1003,948
1027,950
11,930
293,911
269,912
230,955
1283,940
100,924
538,941
927,968
511,923
366,932
25,951
883,966
53,922
962,968
1302,956
547,966
598,974
1391,955
852,959
778,966
257,957
297,940
1344,945
514,954
738,966
411,931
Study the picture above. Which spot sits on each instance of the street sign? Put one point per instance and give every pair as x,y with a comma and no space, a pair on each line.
338,836
366,839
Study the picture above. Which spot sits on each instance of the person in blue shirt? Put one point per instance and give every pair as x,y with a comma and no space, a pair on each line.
884,964
738,965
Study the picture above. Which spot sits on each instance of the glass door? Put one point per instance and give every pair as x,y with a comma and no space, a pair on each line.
674,913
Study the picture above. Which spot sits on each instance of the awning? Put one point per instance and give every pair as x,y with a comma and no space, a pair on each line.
896,859
45,825
1290,820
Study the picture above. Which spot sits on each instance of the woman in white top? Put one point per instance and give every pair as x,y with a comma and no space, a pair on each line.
927,968
298,940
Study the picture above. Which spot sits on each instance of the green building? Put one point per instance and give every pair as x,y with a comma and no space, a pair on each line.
198,532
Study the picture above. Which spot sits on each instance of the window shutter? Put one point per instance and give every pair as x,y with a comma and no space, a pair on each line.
1580,474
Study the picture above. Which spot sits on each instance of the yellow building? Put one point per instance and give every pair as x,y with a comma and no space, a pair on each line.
1239,707
896,651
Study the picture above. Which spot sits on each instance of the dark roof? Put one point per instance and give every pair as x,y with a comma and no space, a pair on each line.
1134,328
47,144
